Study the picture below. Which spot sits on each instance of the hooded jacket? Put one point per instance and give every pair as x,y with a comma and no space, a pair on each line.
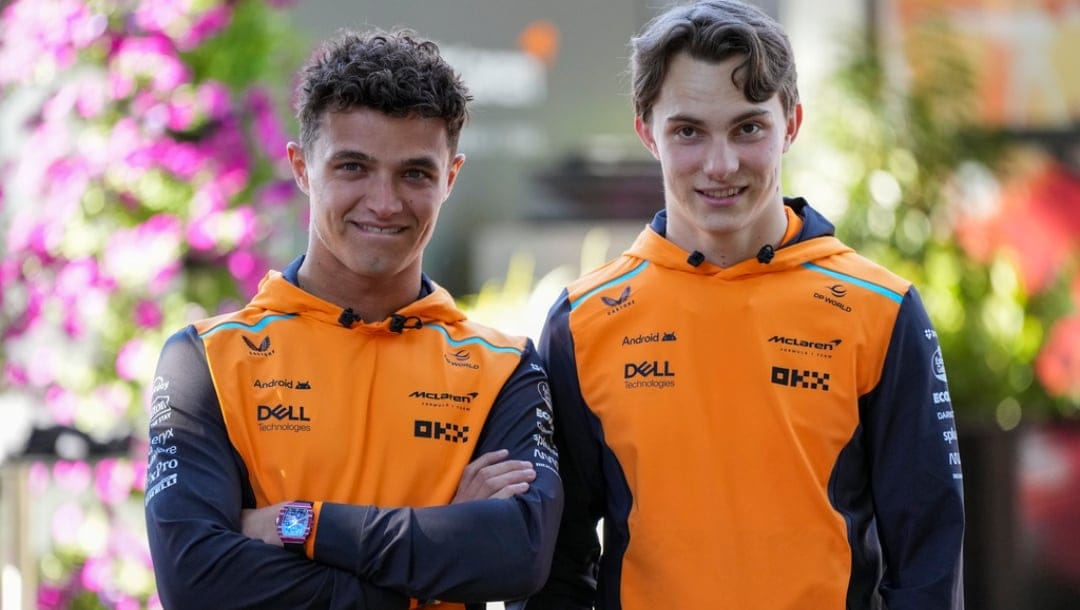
292,398
773,435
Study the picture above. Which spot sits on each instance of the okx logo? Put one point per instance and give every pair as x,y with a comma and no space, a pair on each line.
262,349
438,430
800,378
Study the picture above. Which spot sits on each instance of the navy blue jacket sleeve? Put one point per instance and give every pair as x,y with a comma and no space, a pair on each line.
574,569
915,471
196,486
472,551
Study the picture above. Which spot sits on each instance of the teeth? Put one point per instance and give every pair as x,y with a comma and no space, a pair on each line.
381,230
731,192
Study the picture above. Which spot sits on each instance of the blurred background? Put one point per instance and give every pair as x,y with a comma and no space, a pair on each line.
143,185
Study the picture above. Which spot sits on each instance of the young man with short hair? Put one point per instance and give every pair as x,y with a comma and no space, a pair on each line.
759,414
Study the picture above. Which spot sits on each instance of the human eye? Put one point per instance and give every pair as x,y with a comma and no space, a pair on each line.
686,132
749,129
417,174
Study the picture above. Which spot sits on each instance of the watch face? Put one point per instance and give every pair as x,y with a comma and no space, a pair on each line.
294,522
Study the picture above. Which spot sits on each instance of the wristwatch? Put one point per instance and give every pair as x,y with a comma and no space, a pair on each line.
294,525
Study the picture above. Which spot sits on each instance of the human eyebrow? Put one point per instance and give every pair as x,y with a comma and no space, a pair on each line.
749,115
421,162
353,156
684,119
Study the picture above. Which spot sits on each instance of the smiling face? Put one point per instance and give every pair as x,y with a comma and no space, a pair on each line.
720,155
375,185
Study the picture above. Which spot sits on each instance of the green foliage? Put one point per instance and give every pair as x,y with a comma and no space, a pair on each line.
905,146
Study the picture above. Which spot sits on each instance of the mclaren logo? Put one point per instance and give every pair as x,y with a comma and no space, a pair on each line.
444,396
444,400
803,343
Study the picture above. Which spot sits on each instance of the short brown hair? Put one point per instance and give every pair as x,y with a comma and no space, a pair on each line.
394,72
714,31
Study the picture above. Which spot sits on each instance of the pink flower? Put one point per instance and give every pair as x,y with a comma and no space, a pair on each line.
150,59
15,375
95,574
213,99
60,404
72,476
135,360
37,479
269,133
160,15
206,25
39,35
66,521
135,256
276,194
147,314
50,597
113,481
248,270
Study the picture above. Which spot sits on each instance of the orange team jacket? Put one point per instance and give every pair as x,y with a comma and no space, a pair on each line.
292,399
775,435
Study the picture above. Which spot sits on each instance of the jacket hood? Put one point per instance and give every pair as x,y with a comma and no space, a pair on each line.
279,292
814,240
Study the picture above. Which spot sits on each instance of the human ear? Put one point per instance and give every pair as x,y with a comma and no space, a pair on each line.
298,164
644,133
452,171
792,129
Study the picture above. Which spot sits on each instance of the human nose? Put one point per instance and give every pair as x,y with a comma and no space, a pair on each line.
382,198
721,160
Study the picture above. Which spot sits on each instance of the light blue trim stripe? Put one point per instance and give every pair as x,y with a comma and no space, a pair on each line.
479,340
622,278
883,291
252,327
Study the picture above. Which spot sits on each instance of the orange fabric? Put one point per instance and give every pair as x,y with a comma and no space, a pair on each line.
413,431
751,470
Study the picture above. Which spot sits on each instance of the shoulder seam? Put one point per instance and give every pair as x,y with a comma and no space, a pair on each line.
871,286
258,326
574,303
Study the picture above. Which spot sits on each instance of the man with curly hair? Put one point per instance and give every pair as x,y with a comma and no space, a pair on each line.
349,439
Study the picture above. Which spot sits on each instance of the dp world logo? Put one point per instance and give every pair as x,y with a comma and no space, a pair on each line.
939,365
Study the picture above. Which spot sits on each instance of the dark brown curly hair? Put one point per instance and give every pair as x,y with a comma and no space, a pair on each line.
394,72
714,31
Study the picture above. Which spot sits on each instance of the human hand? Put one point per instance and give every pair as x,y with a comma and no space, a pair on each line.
493,476
261,523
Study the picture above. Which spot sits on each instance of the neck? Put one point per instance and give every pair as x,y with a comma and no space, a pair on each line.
372,298
731,248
